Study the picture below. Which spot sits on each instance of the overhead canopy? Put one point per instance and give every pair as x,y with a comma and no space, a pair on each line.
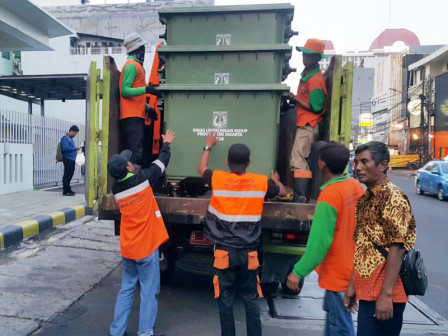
24,26
37,88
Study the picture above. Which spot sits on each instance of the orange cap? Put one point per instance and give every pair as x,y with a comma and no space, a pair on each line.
314,46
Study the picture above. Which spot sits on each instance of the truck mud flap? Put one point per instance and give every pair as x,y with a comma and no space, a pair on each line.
276,266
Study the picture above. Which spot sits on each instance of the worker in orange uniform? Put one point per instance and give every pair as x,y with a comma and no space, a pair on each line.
133,93
152,138
142,231
310,102
233,224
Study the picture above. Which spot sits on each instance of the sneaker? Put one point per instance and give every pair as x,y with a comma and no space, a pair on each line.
70,193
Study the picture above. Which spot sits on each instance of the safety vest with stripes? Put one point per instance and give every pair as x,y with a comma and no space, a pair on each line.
234,213
131,107
142,228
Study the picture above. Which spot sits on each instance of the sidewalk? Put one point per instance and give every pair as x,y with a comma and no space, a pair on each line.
25,214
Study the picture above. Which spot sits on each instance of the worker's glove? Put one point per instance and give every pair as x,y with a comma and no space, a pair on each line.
152,114
152,89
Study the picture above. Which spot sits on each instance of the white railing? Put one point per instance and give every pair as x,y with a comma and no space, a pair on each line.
44,133
83,50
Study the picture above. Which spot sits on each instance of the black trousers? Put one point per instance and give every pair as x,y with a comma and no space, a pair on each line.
133,131
69,170
370,326
238,277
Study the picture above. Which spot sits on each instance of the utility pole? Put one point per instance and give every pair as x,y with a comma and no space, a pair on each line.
422,125
429,109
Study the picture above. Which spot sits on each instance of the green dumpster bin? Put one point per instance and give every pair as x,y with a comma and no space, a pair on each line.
246,114
228,25
233,65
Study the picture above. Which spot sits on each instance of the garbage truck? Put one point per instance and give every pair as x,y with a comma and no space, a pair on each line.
224,68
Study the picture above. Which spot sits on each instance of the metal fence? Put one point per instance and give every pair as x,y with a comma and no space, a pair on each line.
44,133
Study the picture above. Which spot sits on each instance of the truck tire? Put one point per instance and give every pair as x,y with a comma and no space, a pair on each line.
269,287
286,290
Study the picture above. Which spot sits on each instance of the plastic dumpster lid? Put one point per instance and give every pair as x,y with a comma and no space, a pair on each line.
207,48
277,88
226,9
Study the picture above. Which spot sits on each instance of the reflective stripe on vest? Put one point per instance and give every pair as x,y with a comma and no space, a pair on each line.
238,198
142,186
133,106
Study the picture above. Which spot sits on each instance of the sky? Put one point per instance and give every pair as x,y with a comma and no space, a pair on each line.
354,24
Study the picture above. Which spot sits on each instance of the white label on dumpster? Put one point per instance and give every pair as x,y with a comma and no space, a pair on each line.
220,127
222,78
223,39
220,119
221,133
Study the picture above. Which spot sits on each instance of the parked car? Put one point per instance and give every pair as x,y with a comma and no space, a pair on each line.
433,178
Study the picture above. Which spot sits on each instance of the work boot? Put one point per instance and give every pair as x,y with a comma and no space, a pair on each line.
301,190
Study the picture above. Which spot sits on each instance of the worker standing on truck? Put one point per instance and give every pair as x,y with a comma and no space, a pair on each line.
142,231
310,103
233,224
330,247
133,94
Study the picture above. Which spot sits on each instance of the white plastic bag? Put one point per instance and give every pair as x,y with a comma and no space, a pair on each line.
80,159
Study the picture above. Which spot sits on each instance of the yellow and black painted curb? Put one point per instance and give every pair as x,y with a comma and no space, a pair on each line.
13,234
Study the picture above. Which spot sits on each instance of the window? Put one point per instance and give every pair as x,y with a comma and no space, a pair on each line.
6,54
430,166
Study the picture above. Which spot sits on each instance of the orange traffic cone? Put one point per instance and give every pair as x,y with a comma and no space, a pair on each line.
390,169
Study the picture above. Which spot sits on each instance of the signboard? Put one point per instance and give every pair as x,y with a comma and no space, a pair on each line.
365,120
379,103
364,138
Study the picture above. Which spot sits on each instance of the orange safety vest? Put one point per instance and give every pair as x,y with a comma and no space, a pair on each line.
153,100
142,228
237,198
336,268
305,117
133,106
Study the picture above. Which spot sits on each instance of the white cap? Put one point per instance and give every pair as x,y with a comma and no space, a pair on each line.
133,41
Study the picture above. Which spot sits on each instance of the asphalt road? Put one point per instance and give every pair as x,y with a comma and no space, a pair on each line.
431,216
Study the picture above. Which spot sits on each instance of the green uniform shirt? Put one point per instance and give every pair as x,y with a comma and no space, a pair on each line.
321,235
317,96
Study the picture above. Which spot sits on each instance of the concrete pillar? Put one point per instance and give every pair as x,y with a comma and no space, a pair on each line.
42,107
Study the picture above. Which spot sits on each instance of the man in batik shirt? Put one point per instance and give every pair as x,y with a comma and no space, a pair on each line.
383,219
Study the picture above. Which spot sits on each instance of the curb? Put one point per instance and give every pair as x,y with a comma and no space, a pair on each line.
13,234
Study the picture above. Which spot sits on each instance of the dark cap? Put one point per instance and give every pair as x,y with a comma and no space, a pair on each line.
238,158
336,156
117,165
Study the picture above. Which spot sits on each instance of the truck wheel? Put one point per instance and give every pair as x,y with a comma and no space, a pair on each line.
269,287
286,290
440,195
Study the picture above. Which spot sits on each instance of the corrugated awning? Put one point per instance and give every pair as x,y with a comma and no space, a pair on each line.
35,88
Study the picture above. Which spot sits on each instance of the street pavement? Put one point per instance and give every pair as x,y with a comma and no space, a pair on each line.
25,205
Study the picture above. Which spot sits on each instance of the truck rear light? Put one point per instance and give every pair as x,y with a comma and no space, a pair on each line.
295,238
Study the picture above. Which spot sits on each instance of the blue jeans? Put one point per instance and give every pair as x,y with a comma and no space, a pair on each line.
146,272
338,321
370,326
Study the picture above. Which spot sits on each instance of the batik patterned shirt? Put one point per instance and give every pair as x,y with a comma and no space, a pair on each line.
383,216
